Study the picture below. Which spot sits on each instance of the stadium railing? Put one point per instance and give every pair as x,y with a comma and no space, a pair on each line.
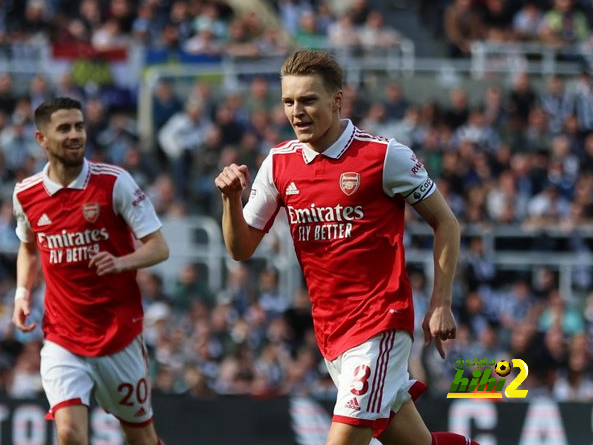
199,240
488,58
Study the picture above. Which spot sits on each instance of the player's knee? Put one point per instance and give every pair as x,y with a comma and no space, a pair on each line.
141,436
71,435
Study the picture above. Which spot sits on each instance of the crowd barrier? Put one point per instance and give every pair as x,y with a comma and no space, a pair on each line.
243,420
199,240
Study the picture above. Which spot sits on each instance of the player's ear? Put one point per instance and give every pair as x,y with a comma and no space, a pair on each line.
41,139
338,100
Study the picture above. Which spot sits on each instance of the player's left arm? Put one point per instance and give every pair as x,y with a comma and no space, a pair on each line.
439,322
152,250
135,207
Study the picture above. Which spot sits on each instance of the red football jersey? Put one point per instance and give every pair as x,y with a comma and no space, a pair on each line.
345,208
102,210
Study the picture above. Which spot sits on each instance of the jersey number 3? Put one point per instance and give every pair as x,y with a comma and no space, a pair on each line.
360,382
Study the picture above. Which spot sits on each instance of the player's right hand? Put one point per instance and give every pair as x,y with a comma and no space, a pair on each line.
232,180
22,310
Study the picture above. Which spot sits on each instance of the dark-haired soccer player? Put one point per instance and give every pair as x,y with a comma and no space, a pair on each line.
79,220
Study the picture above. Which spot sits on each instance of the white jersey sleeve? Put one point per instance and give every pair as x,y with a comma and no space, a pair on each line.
264,200
23,227
133,205
405,175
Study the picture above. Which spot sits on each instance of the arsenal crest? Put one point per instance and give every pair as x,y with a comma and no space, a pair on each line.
90,211
349,182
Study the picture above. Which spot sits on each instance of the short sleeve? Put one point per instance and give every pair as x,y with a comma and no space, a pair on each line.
23,227
264,199
133,205
405,175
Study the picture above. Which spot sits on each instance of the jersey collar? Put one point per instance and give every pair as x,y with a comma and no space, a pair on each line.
79,183
335,150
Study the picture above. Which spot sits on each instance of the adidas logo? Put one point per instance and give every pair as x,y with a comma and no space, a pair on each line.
44,220
292,189
141,412
353,404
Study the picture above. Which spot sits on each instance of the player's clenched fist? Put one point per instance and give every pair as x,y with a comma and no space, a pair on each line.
232,180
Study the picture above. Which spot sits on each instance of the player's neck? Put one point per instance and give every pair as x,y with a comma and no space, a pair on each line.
330,137
62,174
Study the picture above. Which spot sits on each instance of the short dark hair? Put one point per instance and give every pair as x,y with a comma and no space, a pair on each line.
310,62
44,111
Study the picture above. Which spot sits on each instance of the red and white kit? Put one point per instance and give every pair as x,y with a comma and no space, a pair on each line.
346,213
346,209
90,322
102,210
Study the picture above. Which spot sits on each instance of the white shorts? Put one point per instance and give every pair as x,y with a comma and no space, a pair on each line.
120,382
373,381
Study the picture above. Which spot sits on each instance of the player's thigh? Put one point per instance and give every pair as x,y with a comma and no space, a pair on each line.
122,384
72,424
66,377
344,434
372,381
406,428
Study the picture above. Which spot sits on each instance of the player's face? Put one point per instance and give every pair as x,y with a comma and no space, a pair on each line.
312,110
64,138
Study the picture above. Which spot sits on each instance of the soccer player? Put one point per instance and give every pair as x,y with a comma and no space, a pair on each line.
79,219
345,192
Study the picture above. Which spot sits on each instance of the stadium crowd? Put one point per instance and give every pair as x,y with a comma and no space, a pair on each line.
517,156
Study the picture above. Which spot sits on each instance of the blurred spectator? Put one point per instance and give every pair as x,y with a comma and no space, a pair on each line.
39,90
343,35
300,323
559,314
375,37
109,36
575,383
139,165
556,103
527,21
180,137
547,208
26,380
457,111
204,42
96,122
583,106
271,299
165,103
477,131
118,138
463,25
308,34
498,14
147,26
190,286
564,26
378,122
260,97
479,270
7,95
518,306
289,12
521,100
394,100
17,145
505,203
